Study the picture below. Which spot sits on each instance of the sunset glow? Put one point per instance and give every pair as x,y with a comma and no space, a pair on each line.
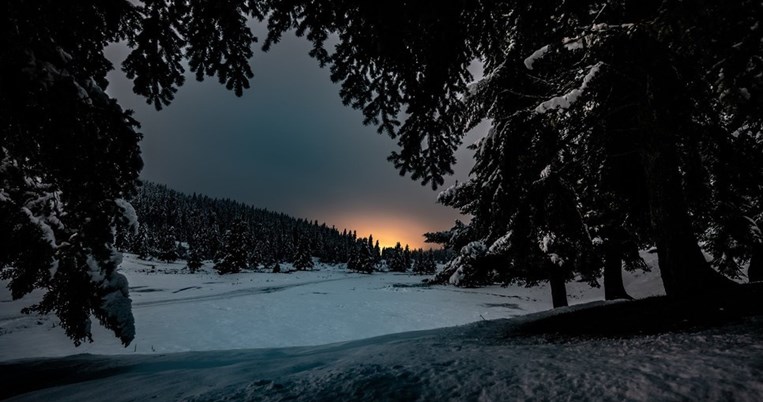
386,227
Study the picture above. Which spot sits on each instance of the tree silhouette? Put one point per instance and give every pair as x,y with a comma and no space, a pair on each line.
582,96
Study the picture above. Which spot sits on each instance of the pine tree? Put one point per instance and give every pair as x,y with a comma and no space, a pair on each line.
407,259
235,250
467,269
377,252
303,259
195,259
167,245
423,262
418,263
70,157
353,259
366,260
663,96
429,264
396,261
142,244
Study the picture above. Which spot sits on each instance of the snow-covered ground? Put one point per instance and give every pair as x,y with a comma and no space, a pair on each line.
477,362
178,312
228,331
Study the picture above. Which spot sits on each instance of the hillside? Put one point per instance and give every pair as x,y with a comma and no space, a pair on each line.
172,225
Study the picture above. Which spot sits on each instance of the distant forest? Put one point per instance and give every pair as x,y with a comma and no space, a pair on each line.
171,225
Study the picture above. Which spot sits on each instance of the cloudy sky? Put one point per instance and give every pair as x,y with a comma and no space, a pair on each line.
288,145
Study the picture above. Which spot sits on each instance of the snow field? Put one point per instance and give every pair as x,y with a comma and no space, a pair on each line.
477,362
252,313
177,312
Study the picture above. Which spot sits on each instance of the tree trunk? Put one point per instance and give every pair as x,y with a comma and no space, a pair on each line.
613,272
755,271
558,287
684,270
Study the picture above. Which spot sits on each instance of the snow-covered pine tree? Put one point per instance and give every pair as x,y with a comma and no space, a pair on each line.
142,243
235,252
167,245
467,269
407,259
396,261
195,254
69,157
418,263
377,252
303,258
687,155
649,88
269,260
194,260
423,262
429,264
353,258
366,262
69,154
256,253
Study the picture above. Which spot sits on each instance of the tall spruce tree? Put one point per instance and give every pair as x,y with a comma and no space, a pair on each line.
377,252
365,262
194,259
429,265
69,157
236,248
168,247
662,95
303,258
69,153
195,253
397,259
141,244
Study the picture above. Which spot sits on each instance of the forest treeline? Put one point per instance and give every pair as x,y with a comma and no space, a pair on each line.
170,225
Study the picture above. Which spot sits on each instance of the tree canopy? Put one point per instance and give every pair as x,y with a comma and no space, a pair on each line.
69,155
615,125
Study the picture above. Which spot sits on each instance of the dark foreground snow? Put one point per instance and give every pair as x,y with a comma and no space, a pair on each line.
480,362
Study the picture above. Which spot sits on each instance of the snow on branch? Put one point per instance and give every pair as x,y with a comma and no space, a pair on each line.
546,172
129,213
449,192
537,55
501,245
566,100
569,44
47,232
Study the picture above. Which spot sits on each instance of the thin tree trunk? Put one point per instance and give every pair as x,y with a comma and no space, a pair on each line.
613,272
558,287
684,270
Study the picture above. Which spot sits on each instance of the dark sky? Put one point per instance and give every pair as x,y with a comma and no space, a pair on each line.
288,145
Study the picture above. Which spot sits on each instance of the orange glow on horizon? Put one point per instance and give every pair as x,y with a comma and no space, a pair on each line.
388,229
